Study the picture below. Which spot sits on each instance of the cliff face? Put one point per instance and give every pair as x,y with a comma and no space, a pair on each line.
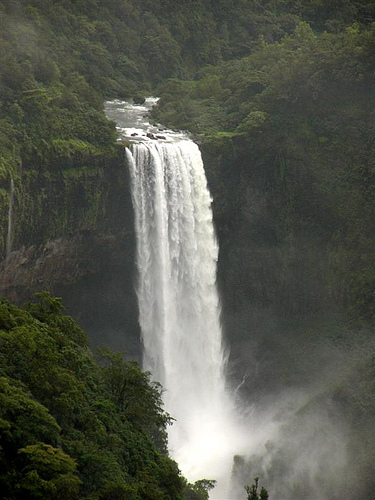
296,321
72,235
270,258
286,306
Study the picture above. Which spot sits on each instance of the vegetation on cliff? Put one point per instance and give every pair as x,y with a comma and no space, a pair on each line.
298,118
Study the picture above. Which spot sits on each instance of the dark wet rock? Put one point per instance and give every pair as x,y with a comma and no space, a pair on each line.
139,99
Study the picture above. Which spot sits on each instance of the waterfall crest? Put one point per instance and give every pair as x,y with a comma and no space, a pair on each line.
179,310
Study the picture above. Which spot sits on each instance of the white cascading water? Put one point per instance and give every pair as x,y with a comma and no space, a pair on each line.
179,310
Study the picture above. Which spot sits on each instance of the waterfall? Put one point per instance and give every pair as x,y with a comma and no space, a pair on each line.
179,310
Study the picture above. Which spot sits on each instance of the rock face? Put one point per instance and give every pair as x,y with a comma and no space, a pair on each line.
59,262
93,273
73,236
33,268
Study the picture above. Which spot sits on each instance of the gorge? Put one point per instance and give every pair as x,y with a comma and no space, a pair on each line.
279,98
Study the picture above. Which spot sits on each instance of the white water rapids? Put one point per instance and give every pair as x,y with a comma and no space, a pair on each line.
179,310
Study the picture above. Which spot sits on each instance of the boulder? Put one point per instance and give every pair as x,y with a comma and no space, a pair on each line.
138,99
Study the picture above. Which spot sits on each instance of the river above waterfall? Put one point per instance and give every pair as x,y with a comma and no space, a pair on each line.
133,121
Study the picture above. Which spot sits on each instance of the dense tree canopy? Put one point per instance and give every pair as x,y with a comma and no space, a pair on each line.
70,427
58,60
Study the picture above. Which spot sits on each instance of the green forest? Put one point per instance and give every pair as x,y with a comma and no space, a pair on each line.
280,97
74,425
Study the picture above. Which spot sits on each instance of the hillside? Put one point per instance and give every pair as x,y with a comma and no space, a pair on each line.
70,426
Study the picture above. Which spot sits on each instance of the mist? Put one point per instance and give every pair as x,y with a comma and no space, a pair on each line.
297,403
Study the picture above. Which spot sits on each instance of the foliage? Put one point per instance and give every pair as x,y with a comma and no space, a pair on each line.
199,490
301,109
59,59
47,472
252,491
280,94
70,427
137,396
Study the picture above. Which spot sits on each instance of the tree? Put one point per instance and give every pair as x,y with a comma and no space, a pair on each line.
70,428
48,472
136,396
199,490
252,491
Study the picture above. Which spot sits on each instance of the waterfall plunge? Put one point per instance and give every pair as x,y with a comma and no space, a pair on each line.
179,305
